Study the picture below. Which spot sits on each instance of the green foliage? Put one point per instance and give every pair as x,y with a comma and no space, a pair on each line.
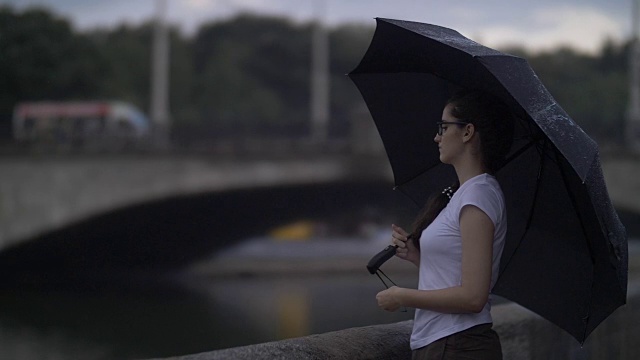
347,46
127,51
250,75
593,90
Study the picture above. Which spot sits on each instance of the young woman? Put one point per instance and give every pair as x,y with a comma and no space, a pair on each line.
458,239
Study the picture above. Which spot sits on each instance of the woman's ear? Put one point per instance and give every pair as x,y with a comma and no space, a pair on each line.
469,131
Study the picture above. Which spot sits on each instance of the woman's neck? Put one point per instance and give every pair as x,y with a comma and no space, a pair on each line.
469,169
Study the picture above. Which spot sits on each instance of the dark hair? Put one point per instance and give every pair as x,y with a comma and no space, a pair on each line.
492,119
494,122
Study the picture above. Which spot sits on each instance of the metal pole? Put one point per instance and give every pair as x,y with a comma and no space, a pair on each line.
160,78
632,131
319,76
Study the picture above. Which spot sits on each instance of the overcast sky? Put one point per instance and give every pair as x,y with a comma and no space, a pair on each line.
536,24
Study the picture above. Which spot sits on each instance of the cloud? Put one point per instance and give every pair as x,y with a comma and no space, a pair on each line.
582,28
538,25
199,5
466,14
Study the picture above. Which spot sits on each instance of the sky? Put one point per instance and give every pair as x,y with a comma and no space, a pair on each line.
534,24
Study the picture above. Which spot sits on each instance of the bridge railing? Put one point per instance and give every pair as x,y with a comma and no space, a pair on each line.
252,147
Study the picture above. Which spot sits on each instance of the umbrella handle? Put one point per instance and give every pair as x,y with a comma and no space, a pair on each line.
380,258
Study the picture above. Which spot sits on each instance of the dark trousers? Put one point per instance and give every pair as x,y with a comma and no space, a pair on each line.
480,342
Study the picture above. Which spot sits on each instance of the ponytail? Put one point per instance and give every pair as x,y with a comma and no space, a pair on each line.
433,207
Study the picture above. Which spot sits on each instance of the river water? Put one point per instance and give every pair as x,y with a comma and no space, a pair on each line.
261,291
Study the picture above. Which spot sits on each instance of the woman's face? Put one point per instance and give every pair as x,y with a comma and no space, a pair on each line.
450,143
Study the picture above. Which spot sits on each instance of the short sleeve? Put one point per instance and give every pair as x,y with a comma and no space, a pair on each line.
484,197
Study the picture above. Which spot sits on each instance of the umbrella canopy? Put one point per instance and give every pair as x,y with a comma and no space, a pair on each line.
565,256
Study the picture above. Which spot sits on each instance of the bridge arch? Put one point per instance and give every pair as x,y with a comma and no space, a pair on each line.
173,232
75,215
38,196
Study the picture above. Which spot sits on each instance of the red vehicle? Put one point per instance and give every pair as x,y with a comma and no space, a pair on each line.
78,122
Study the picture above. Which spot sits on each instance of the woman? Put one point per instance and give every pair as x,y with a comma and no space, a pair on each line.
458,239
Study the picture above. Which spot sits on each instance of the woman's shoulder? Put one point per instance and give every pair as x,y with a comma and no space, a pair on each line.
482,186
480,182
483,192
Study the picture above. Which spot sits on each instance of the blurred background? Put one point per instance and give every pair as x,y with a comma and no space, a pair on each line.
179,176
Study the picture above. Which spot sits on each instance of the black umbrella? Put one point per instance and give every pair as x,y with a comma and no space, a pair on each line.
565,256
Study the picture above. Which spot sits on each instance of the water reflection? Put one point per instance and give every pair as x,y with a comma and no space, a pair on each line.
122,320
287,307
142,316
209,306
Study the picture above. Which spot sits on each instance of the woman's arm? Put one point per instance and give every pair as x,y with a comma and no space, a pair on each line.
476,229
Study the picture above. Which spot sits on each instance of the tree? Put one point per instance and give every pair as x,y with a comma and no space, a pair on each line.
348,43
252,76
592,89
127,52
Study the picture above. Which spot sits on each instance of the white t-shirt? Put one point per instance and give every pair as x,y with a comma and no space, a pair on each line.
441,257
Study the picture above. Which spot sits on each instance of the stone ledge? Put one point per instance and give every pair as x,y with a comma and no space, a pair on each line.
524,335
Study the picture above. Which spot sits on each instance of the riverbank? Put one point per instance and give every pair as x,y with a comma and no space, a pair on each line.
262,257
269,257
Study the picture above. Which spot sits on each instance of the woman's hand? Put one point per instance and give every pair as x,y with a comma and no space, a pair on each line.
388,299
406,250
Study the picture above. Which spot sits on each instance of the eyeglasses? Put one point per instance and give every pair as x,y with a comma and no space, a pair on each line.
441,129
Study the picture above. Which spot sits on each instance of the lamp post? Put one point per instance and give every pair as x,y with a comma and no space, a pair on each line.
319,76
160,78
632,128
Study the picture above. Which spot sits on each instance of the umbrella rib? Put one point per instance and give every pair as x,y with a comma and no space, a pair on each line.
587,238
531,211
416,176
533,140
519,152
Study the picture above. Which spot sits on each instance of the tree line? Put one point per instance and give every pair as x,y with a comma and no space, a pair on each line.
250,75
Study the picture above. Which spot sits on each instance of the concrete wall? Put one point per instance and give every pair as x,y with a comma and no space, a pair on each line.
524,336
39,196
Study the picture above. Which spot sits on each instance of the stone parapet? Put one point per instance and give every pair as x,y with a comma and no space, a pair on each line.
524,336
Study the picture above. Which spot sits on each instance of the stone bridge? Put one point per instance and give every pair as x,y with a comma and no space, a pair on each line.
141,210
39,195
61,198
